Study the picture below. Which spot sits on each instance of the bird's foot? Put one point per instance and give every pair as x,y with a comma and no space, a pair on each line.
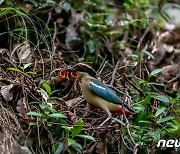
87,109
108,118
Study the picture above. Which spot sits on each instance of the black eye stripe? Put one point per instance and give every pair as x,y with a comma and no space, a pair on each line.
86,69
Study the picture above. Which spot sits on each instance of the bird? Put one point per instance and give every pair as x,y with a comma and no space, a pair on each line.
98,94
70,78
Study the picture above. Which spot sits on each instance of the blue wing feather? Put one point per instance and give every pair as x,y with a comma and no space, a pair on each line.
104,91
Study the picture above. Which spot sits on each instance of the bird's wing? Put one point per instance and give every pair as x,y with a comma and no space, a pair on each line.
104,91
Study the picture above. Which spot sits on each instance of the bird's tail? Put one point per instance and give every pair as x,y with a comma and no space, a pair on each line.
125,109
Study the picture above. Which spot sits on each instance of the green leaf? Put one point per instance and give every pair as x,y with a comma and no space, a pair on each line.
30,72
71,141
88,137
155,72
58,147
66,6
163,98
147,100
32,123
27,65
156,134
22,68
1,1
139,107
156,84
47,87
57,115
109,19
165,119
44,94
119,121
91,46
148,54
44,106
77,128
67,130
14,69
36,114
137,82
174,128
129,3
160,111
144,121
74,144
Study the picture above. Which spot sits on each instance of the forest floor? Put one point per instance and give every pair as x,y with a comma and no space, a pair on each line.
134,49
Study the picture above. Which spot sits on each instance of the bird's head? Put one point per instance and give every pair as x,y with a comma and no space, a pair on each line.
82,70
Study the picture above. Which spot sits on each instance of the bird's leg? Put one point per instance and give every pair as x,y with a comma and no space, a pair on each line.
109,116
107,119
87,109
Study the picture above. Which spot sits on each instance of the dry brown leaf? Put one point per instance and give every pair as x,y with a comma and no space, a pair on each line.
170,71
159,53
73,117
175,86
170,37
172,10
101,148
23,51
6,92
72,102
3,51
22,108
71,33
89,147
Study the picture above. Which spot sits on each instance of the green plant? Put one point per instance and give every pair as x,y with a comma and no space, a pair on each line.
22,69
56,120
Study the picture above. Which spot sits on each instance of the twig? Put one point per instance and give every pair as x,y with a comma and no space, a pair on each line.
126,144
114,73
127,121
38,135
142,38
135,149
117,90
49,17
134,86
103,64
174,79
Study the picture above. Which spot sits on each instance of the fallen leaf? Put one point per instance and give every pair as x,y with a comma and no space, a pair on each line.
89,147
176,86
171,11
3,51
73,117
159,53
71,34
101,148
72,102
22,108
24,52
6,92
170,71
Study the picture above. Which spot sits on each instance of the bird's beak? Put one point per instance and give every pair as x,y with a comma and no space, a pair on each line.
63,74
74,75
73,72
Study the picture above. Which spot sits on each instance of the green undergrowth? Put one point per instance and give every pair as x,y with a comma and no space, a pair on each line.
107,30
